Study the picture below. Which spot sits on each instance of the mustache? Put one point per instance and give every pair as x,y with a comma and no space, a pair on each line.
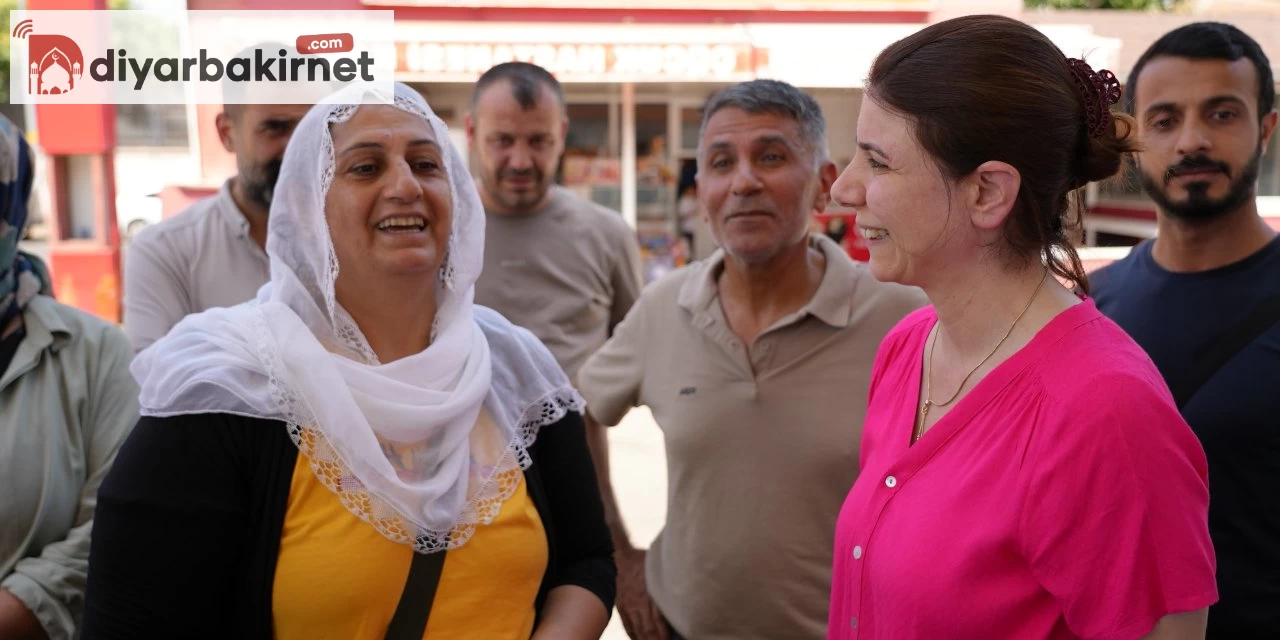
744,205
520,173
260,186
1195,163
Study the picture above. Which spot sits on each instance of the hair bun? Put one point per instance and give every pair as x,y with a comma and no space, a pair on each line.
1101,157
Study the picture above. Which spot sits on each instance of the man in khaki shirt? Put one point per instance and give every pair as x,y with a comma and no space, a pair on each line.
212,254
755,363
556,264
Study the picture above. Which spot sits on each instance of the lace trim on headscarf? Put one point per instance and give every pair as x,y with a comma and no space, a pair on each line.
400,443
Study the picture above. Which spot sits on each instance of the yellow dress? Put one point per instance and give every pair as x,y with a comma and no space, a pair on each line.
337,577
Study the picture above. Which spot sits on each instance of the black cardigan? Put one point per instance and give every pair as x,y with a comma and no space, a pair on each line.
188,523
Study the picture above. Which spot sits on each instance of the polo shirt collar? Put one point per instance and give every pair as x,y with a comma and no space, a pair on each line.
832,303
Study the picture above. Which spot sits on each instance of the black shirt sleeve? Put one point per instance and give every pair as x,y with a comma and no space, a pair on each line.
580,537
182,539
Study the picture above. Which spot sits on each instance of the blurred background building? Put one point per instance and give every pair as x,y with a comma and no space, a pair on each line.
635,80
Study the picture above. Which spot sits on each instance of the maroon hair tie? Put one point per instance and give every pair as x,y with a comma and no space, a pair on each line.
1100,90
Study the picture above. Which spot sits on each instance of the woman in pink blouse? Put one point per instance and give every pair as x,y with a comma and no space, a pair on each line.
1025,473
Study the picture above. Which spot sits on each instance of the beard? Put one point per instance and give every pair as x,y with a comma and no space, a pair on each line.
791,228
259,182
1198,206
518,202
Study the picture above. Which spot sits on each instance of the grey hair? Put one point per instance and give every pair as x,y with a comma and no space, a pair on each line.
777,98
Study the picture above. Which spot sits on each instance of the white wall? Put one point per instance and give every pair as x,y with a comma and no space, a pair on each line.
143,171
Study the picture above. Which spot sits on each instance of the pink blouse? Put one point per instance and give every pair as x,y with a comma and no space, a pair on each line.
1063,497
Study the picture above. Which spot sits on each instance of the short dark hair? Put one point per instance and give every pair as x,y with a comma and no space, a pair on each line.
777,98
525,79
1208,41
982,88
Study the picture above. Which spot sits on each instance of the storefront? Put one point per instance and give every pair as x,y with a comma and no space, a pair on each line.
635,80
635,94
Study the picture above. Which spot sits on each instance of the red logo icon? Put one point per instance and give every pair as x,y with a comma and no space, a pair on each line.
56,61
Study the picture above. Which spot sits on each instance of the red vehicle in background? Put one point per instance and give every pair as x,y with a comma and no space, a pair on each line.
839,226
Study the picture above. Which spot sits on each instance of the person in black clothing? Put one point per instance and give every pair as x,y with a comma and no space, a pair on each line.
1203,298
360,452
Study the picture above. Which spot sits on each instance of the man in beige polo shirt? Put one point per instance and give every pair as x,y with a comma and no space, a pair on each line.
212,254
556,264
755,363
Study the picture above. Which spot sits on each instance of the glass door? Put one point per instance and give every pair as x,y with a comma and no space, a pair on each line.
591,166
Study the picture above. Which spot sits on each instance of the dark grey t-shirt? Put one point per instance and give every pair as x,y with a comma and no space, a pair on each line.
568,272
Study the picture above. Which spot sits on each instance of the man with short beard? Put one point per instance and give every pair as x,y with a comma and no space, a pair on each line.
212,254
756,364
1203,298
562,267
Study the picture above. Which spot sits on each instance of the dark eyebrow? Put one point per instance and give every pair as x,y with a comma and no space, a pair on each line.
719,146
1218,101
867,146
1159,107
378,145
1215,101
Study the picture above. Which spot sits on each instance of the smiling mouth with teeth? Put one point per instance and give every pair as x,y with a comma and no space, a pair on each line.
874,234
403,224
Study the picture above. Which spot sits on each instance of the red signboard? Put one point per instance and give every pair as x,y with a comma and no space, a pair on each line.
650,5
584,62
76,128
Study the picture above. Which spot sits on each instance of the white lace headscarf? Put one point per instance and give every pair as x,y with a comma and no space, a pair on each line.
399,443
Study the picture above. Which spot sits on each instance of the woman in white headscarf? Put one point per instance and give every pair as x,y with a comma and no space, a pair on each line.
359,452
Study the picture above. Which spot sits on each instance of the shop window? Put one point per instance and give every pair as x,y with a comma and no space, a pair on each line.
655,190
655,177
151,125
587,167
690,125
588,130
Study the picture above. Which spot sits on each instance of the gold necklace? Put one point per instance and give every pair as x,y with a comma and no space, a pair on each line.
918,430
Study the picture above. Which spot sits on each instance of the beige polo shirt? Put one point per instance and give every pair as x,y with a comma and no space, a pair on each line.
762,443
568,272
200,258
